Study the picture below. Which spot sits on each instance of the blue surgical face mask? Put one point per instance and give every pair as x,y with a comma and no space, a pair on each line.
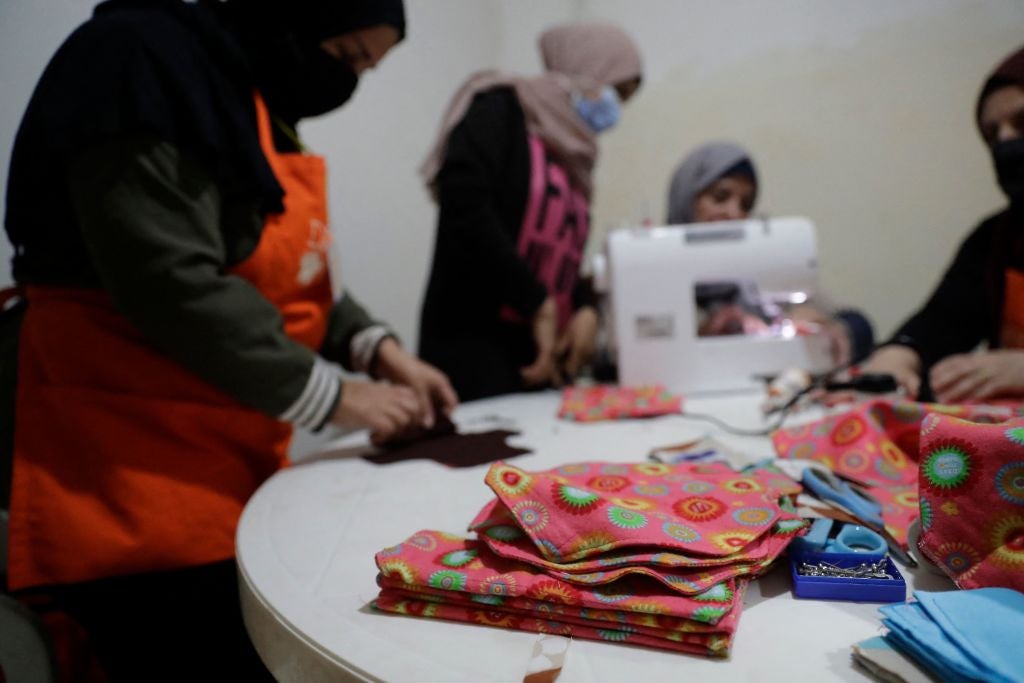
602,113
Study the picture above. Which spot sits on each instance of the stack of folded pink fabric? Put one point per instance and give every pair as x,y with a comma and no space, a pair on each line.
650,554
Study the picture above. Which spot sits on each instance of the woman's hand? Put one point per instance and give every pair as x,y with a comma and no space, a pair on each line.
430,386
902,362
389,412
544,369
579,341
978,376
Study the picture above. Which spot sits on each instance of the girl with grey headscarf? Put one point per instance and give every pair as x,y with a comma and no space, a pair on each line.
718,181
511,172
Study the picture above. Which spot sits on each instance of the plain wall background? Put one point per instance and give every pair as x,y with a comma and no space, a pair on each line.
859,115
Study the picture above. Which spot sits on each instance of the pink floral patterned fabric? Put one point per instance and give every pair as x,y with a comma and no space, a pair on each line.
972,500
583,510
433,574
649,554
605,402
682,573
876,444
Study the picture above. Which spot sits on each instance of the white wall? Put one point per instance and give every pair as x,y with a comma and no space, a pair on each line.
859,116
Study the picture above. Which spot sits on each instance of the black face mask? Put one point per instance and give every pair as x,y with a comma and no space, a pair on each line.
302,80
1009,160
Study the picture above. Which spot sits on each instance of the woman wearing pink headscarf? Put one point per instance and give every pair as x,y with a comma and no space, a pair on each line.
512,175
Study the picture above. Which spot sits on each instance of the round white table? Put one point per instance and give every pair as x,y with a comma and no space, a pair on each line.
307,539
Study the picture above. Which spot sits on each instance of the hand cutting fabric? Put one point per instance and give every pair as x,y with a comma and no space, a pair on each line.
578,342
430,386
979,376
545,333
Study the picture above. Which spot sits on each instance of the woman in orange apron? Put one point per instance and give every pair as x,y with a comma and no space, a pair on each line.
981,296
170,243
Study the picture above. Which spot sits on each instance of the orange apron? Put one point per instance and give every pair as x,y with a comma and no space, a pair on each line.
1012,336
124,461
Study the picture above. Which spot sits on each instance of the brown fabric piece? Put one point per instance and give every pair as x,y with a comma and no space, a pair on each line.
445,445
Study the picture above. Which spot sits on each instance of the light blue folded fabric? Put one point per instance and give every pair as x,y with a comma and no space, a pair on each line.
987,624
962,636
911,631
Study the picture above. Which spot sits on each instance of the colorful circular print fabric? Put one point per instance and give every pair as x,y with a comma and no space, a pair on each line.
753,516
554,591
533,516
732,540
680,532
399,569
652,490
697,487
1016,435
1010,482
502,585
633,503
447,579
848,431
626,519
801,451
929,424
494,618
609,483
699,508
510,480
1007,536
424,542
744,485
958,557
853,462
590,543
458,558
927,514
575,501
893,454
948,465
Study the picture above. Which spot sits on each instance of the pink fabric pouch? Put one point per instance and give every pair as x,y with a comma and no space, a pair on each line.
584,510
876,444
604,402
682,573
972,500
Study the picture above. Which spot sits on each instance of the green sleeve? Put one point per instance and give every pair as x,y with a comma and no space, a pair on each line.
151,217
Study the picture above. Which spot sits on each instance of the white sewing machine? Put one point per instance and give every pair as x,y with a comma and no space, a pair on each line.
653,274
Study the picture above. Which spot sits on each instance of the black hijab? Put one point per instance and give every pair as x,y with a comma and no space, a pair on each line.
182,72
1008,159
282,38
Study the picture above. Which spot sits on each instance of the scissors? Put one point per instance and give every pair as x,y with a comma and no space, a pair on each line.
848,497
856,502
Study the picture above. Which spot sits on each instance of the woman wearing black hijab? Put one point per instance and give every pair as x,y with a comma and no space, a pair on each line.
176,319
981,296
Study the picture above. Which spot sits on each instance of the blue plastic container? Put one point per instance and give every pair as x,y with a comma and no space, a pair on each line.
840,588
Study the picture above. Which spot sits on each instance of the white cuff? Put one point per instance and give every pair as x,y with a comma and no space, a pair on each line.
364,345
311,407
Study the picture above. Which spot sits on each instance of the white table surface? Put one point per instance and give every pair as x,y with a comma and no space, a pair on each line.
307,539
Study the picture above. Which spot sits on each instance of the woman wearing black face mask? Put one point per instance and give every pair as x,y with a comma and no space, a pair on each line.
176,317
981,296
